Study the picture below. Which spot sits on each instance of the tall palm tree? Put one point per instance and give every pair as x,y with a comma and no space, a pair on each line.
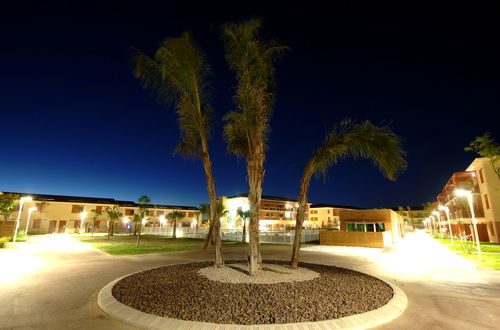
252,60
95,215
349,139
174,216
244,215
178,74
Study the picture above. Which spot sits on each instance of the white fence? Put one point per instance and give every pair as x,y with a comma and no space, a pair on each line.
270,237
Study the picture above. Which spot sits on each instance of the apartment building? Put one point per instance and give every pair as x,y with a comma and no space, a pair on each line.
328,215
413,215
276,213
64,214
484,184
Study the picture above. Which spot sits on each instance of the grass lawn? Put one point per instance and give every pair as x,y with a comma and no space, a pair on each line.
488,260
126,244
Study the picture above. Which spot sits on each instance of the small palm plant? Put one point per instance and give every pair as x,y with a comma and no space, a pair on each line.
143,202
95,215
174,216
349,139
244,215
178,74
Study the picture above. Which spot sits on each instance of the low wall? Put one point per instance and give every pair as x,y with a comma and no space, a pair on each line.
351,238
7,228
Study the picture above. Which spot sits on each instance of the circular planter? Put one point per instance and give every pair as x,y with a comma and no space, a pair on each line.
111,306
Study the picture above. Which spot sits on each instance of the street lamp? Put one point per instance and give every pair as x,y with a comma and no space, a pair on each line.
125,220
30,210
468,194
446,210
438,215
83,214
162,220
22,200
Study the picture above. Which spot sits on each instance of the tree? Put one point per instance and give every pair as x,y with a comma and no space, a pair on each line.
95,215
349,139
114,214
174,216
252,60
178,74
8,204
486,146
143,202
41,207
244,215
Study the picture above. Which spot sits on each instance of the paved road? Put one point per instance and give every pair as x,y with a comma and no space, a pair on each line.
52,283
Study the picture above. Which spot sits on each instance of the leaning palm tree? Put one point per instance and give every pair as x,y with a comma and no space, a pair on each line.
174,216
244,215
178,76
252,61
349,139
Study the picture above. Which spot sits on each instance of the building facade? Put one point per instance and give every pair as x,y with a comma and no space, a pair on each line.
63,214
481,180
413,215
328,215
366,228
276,213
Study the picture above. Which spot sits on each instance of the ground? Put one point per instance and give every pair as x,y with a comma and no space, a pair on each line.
52,283
490,252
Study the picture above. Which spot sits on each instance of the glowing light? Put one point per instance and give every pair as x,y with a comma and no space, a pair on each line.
26,199
144,221
125,220
462,192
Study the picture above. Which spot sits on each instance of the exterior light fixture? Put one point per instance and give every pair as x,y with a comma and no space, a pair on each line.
82,216
125,220
22,200
446,210
30,210
162,220
144,221
468,194
438,215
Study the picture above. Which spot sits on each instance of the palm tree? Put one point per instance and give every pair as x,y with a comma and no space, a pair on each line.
114,214
174,216
252,60
143,202
244,215
349,139
178,75
95,215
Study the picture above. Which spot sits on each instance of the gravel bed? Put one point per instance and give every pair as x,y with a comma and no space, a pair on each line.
178,291
269,274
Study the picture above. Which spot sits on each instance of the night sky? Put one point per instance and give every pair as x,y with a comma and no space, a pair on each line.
74,120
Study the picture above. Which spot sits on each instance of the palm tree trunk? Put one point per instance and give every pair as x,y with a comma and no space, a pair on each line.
255,170
139,234
304,188
214,230
244,238
174,229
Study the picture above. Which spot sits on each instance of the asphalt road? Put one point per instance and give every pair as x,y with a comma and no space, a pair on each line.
52,282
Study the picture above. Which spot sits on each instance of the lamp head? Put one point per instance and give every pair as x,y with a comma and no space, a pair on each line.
26,199
83,214
443,208
435,212
462,192
31,209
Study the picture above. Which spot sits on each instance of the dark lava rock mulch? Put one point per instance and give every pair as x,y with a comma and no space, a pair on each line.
179,292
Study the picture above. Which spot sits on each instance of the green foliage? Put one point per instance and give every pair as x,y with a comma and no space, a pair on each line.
252,60
175,215
143,202
95,214
244,214
178,75
486,146
363,140
113,212
8,204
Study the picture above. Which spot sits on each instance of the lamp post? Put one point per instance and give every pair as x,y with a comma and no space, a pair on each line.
446,210
438,215
30,210
468,194
82,216
22,200
431,217
162,220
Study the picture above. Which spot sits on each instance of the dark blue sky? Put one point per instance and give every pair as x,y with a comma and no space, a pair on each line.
76,122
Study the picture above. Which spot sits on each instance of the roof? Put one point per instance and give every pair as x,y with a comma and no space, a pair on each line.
266,197
319,205
97,200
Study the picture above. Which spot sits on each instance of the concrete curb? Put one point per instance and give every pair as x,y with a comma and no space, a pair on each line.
109,305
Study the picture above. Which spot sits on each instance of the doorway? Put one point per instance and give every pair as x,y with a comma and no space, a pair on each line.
52,226
62,227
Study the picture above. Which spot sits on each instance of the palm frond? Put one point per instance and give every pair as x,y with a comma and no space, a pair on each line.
178,76
361,140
